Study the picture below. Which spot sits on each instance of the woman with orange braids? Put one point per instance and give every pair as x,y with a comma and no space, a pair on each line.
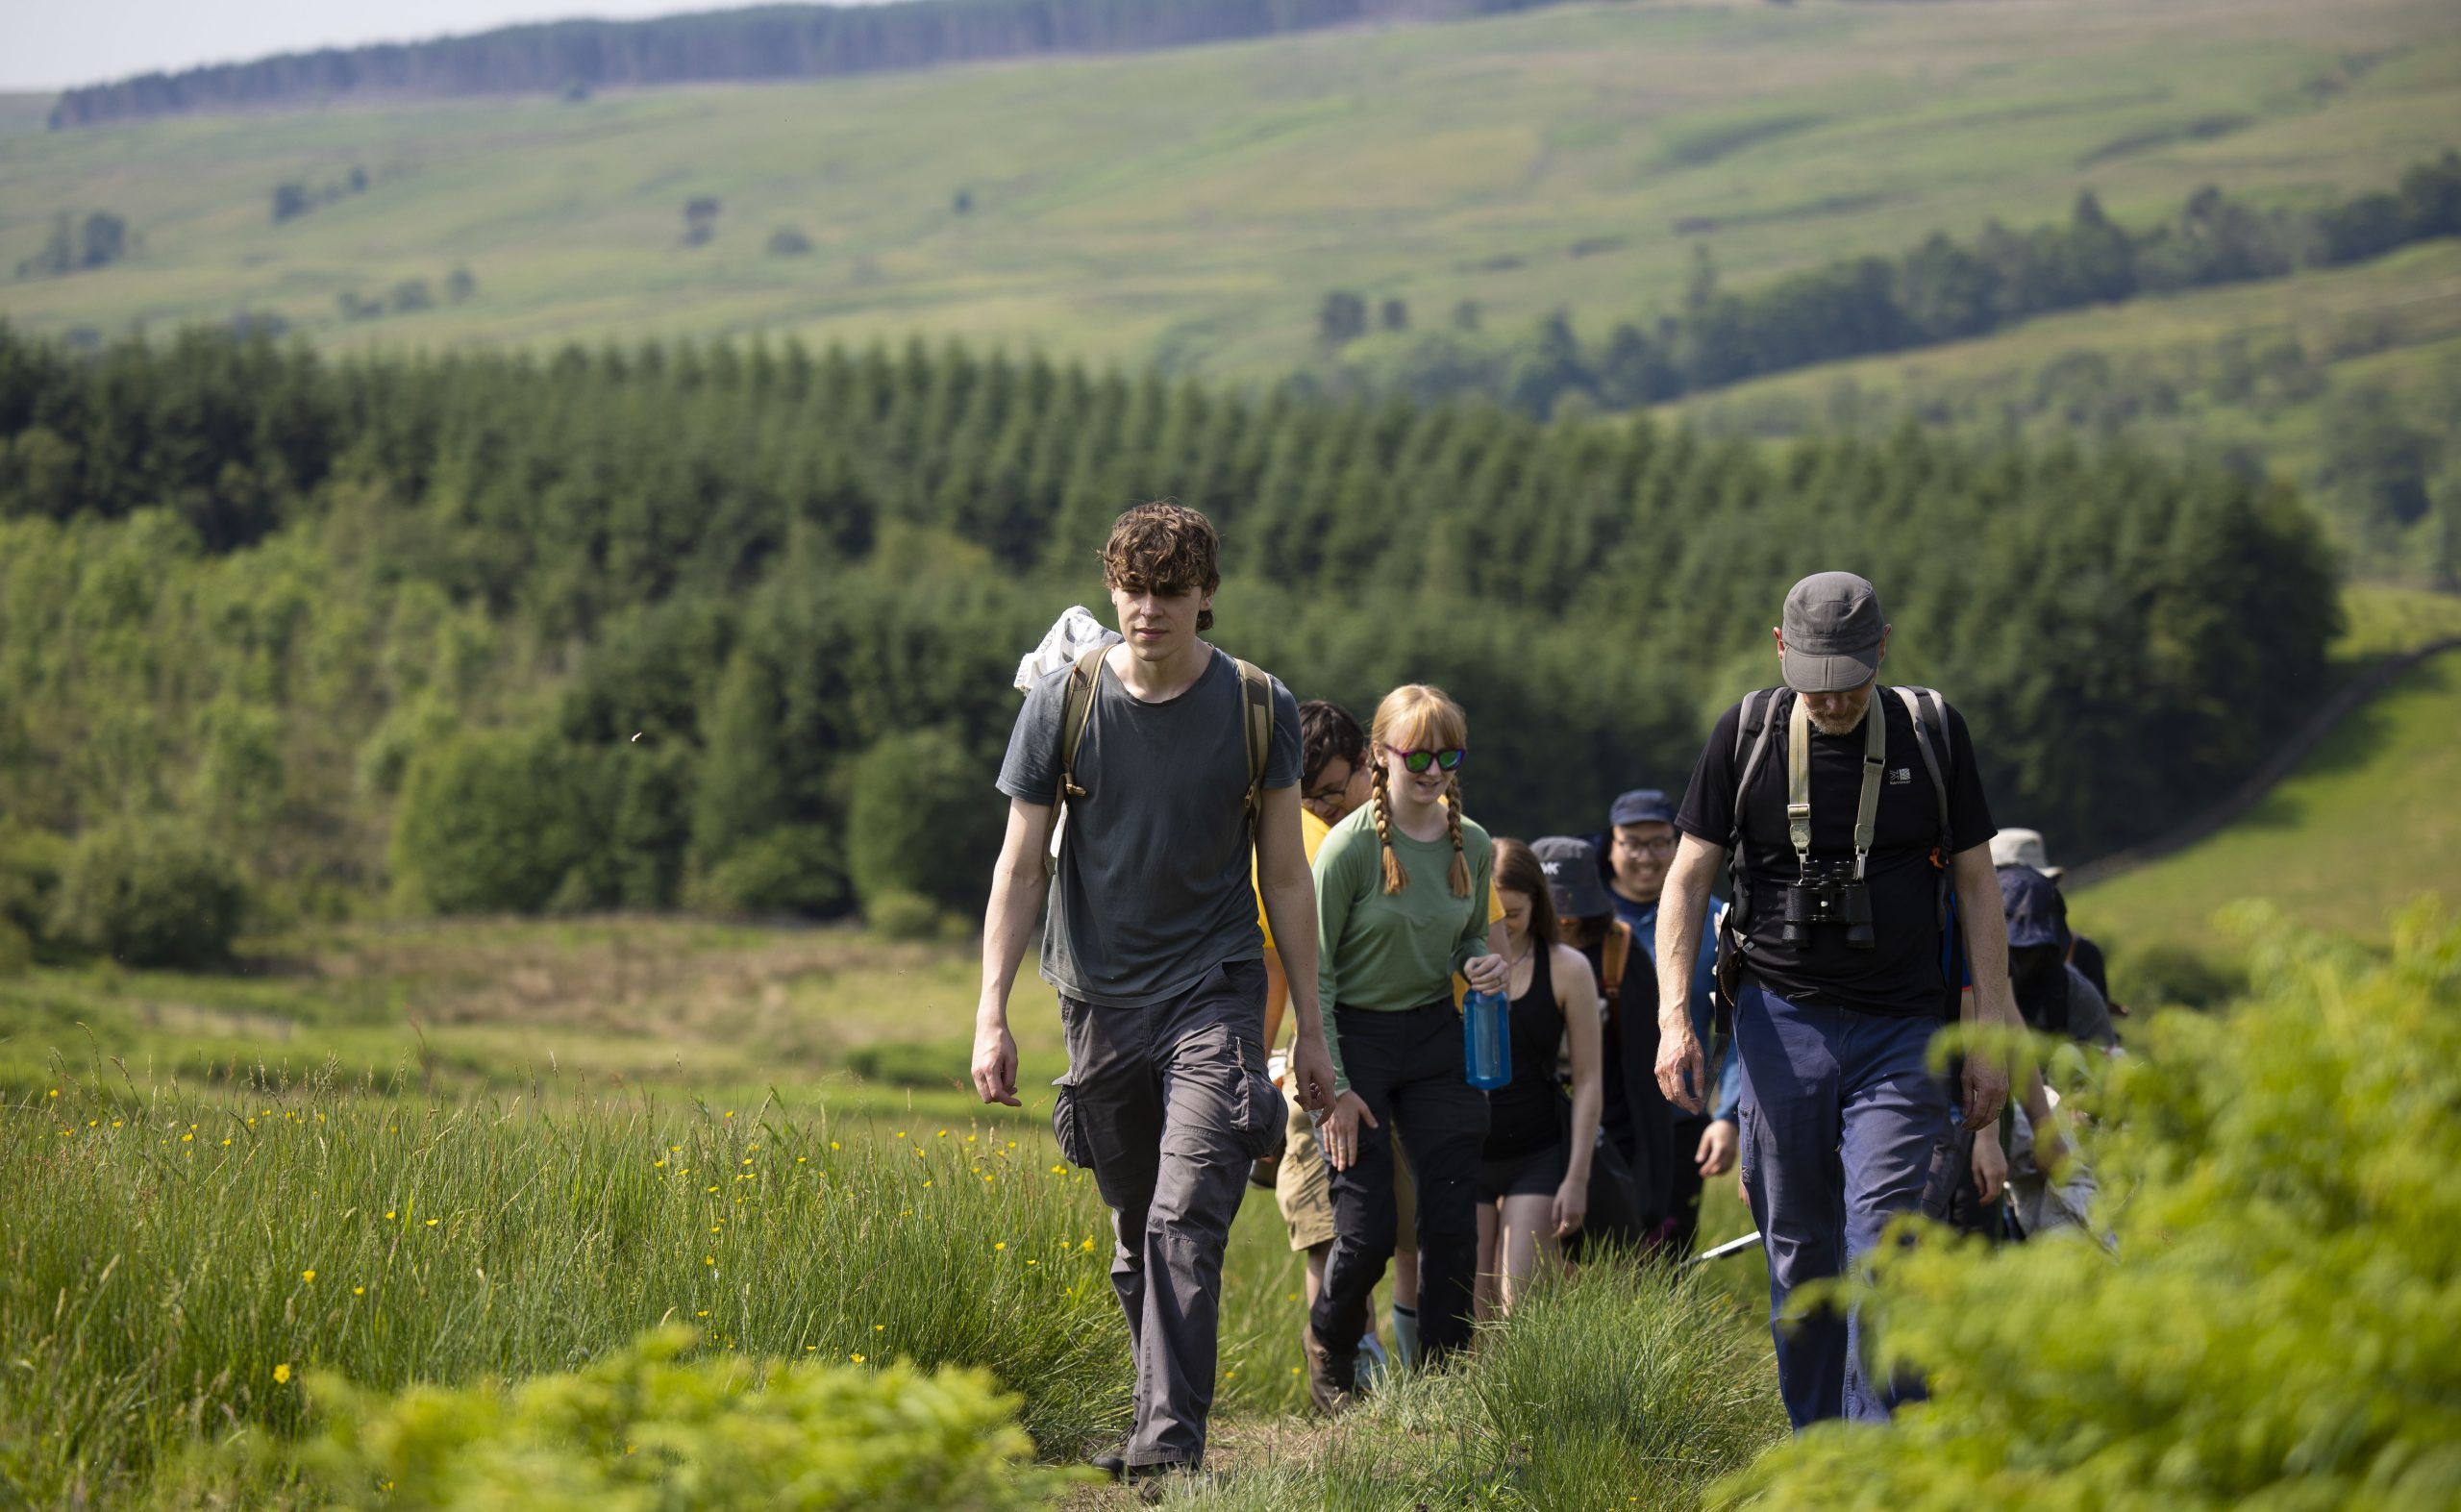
1401,905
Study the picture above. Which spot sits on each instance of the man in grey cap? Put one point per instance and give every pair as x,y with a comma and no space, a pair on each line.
1852,821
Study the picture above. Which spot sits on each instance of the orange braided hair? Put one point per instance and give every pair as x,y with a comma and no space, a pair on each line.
1417,715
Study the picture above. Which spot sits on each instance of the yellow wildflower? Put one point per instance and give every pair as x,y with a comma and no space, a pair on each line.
359,1291
282,1375
1002,1245
857,1358
430,1222
309,1277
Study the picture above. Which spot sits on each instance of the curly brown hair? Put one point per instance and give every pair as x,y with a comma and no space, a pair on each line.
1168,548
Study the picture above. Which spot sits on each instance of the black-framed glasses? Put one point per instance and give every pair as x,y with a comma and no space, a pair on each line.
1450,758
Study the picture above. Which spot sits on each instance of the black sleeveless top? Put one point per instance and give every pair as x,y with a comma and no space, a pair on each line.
1526,1114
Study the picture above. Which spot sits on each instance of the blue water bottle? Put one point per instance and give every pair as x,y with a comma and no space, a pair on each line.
1486,1039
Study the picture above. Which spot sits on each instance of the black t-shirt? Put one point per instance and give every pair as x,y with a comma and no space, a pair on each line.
1901,973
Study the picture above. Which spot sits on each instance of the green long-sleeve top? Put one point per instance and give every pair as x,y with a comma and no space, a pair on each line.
1382,952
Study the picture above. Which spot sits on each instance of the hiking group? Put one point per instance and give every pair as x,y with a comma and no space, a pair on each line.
1217,857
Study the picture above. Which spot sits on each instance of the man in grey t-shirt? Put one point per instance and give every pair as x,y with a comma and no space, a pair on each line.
1153,945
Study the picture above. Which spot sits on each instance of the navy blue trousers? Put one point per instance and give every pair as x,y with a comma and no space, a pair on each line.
1843,1127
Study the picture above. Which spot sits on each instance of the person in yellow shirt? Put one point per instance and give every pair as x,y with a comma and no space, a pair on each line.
1334,778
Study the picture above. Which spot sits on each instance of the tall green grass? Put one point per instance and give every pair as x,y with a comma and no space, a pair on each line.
173,1266
1630,1384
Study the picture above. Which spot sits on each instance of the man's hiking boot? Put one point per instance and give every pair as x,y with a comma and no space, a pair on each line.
1113,1461
1333,1376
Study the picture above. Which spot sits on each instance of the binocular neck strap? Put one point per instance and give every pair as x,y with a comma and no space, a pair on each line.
1867,806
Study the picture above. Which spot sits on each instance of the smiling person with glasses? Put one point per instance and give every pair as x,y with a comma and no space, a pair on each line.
1402,888
1639,843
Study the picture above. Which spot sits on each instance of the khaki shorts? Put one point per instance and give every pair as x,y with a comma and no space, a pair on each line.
1303,1187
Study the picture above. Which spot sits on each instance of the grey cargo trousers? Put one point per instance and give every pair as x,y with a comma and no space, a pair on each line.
1167,1104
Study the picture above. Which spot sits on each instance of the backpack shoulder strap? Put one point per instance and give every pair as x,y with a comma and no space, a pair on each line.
1931,720
1613,955
1256,705
1083,679
1759,715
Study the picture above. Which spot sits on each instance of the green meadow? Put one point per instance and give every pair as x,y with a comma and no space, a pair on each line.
1192,208
473,1152
2151,367
2365,824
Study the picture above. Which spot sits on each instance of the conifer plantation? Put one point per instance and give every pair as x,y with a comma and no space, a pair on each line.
734,629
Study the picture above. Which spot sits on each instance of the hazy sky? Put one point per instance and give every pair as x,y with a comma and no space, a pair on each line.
48,45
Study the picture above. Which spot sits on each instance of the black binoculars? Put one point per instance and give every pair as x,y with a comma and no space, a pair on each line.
1827,892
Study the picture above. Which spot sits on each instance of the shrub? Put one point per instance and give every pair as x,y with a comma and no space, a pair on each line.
2274,1324
2167,975
489,821
923,819
792,869
913,1063
789,242
16,949
31,861
644,1428
901,915
149,893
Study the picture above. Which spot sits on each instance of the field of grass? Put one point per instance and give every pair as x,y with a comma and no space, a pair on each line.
2394,324
2364,825
466,1150
1192,208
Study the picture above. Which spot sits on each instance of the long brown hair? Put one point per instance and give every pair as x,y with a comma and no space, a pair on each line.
1416,715
1517,868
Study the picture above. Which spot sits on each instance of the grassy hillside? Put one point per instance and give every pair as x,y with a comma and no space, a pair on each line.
2364,825
1194,207
2263,371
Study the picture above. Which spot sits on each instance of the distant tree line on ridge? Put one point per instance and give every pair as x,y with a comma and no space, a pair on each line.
734,629
764,42
1940,291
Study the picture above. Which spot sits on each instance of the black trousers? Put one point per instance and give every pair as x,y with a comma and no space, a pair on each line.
1408,1068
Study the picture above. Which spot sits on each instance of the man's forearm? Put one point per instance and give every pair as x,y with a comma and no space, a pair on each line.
1008,927
1682,908
1290,907
1986,938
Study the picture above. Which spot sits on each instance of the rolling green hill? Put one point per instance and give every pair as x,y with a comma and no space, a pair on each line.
2365,824
1193,208
2273,371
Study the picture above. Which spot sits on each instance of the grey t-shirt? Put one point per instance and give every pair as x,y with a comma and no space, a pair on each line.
1154,887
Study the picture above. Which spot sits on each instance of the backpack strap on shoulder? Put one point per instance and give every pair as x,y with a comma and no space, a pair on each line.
1757,718
1613,953
1256,705
1928,712
1083,679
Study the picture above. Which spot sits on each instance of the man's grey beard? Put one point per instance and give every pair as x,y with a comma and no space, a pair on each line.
1833,727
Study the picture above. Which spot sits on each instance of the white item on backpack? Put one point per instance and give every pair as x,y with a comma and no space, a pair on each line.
1073,635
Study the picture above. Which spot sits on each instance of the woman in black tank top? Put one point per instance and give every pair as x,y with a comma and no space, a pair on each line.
1533,1181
